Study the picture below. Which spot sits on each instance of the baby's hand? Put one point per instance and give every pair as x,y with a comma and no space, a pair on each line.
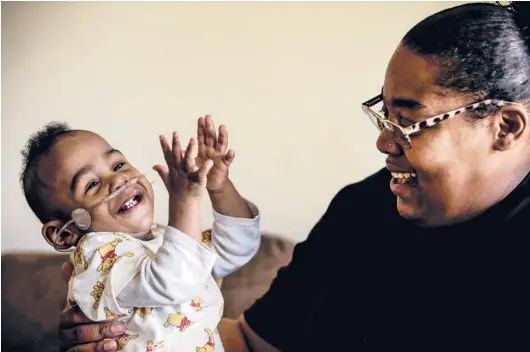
184,182
183,178
213,147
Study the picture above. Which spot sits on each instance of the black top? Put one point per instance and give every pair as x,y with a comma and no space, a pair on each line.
368,280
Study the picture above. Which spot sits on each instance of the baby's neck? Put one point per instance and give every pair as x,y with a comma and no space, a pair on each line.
147,237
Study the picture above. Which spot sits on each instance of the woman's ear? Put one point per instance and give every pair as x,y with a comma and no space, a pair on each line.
511,126
63,241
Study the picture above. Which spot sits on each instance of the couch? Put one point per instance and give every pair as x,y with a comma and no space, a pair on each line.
33,292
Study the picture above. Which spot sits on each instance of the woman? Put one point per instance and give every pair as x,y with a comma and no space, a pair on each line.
437,259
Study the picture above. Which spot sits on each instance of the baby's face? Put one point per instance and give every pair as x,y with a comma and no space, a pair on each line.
83,169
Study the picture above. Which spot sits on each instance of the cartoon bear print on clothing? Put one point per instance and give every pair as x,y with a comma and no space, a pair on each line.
97,293
206,238
78,256
209,346
153,346
109,256
111,316
196,303
143,312
178,320
124,339
113,261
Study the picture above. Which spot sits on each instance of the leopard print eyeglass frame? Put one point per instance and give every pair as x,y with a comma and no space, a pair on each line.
402,134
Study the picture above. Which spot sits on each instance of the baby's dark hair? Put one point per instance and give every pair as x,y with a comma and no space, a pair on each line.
35,190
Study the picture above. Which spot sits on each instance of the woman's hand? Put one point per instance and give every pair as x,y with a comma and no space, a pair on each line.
78,333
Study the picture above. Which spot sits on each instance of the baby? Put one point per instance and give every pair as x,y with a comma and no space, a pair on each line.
160,280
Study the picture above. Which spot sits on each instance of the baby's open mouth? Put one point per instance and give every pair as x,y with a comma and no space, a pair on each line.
130,203
404,177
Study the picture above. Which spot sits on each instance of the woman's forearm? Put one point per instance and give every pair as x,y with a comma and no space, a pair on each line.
232,336
238,336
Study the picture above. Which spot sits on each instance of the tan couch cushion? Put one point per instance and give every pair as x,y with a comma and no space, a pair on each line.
250,282
33,292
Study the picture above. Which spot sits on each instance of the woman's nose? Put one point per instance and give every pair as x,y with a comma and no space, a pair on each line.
386,143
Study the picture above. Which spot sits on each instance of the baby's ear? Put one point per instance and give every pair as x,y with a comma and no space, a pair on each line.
63,241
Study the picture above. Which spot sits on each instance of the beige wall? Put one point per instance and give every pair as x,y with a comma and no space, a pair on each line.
286,78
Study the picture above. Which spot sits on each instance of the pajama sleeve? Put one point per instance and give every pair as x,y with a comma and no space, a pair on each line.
235,241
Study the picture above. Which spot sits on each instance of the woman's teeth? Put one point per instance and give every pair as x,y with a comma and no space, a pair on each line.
403,177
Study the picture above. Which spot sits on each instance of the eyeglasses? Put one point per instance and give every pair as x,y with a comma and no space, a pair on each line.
373,108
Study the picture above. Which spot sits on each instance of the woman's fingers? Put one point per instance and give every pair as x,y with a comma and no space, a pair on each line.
108,345
76,331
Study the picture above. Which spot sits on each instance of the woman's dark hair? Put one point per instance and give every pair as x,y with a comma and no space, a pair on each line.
484,48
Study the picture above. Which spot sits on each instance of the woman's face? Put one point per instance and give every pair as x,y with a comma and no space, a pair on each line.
453,161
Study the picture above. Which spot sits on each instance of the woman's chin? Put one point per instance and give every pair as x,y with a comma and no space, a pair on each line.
406,209
413,213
